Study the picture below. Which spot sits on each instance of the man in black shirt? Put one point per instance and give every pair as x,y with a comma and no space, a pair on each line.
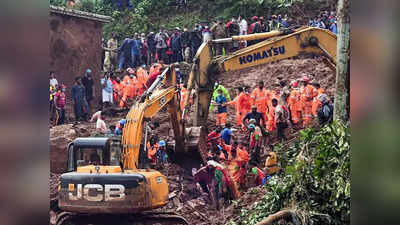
254,115
87,82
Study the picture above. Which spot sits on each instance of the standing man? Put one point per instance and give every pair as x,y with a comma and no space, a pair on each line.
53,80
221,110
261,98
225,92
60,101
243,29
195,41
307,95
185,39
78,97
161,44
294,103
111,55
135,51
107,90
124,53
281,119
176,46
151,49
88,83
219,32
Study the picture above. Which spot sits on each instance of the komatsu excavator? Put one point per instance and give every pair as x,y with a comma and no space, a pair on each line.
105,182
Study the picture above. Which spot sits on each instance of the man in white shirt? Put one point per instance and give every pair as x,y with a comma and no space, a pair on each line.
101,125
243,28
53,80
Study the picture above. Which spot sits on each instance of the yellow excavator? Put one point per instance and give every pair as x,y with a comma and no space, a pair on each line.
106,183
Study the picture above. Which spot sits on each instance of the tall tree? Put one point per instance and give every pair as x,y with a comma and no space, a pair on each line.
342,95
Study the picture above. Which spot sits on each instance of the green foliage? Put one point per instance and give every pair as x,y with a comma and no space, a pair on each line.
316,182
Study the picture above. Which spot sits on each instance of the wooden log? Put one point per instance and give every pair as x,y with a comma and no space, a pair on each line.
286,214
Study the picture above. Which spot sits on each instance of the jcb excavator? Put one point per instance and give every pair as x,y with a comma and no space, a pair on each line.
104,173
104,176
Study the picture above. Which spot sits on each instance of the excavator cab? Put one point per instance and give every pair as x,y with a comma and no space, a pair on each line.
96,182
94,151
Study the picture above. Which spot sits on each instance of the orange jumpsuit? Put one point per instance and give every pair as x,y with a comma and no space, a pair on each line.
117,92
307,95
316,103
295,105
125,91
271,125
142,76
184,94
260,98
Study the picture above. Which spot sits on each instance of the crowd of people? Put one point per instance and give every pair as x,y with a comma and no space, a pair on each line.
177,45
325,20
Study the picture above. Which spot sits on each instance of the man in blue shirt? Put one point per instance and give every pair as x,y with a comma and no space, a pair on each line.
136,46
333,27
78,94
107,90
226,134
221,110
124,52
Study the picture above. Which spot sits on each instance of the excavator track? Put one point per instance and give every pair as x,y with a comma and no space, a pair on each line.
151,218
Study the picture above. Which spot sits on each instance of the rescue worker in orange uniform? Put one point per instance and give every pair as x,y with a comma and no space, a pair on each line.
294,103
117,90
142,77
125,90
271,123
235,103
260,98
316,103
152,148
307,95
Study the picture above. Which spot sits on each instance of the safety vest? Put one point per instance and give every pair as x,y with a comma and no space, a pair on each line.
260,98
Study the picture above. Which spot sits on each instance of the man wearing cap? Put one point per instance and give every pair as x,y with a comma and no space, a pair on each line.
308,92
218,30
87,82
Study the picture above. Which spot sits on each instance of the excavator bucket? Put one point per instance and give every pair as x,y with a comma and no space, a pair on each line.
193,153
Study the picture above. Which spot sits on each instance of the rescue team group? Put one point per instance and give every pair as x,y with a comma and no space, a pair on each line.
233,160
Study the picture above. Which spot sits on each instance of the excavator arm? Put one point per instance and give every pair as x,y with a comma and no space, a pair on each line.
277,46
152,102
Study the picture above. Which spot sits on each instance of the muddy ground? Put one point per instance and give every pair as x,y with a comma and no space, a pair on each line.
187,200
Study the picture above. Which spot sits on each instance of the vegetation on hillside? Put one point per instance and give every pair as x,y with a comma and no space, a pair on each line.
316,181
151,15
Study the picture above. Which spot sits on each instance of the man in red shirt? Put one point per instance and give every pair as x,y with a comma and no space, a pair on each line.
59,102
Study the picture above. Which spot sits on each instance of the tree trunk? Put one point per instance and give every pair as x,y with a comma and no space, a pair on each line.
342,95
287,214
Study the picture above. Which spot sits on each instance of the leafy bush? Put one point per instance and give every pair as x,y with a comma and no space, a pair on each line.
316,182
